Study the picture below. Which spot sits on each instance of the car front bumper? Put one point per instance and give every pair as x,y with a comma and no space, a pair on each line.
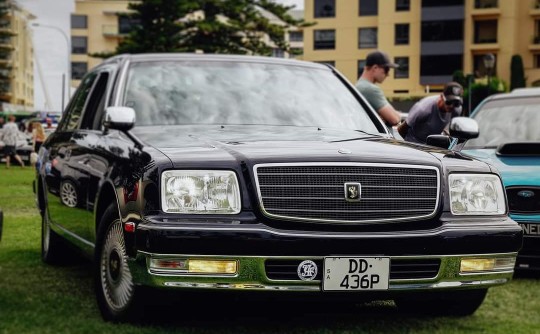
529,256
267,259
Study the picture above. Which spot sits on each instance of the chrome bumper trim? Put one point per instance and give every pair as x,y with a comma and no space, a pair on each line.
252,275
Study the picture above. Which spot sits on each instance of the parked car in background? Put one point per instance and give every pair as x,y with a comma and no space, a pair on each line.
213,172
510,140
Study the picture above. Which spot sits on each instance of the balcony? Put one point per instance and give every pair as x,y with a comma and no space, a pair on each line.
535,43
111,30
486,8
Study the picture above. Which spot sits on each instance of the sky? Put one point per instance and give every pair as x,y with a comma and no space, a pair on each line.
51,50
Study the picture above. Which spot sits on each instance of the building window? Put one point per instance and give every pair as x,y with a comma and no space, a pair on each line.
278,53
295,52
485,31
536,61
402,72
480,69
402,34
296,36
486,3
78,70
367,38
536,39
325,8
368,7
325,39
79,21
431,65
442,3
329,62
126,24
79,45
448,30
361,65
403,5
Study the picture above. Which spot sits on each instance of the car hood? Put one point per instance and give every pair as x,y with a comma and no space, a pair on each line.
515,170
188,145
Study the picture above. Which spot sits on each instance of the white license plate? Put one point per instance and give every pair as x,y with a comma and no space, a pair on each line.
356,273
530,229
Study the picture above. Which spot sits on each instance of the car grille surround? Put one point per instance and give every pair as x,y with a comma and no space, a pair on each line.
315,192
524,199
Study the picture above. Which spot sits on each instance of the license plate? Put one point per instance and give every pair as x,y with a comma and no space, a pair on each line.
356,273
530,229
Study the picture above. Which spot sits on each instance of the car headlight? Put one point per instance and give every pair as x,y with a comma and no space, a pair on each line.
200,192
476,194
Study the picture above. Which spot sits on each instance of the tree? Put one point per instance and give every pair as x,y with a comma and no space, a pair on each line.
211,26
5,49
517,74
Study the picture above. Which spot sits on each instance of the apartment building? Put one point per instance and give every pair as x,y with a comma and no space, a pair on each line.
17,59
429,39
97,28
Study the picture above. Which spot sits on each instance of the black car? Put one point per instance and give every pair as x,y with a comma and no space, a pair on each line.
209,172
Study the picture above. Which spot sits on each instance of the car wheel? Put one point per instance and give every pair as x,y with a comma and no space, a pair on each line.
449,303
115,290
53,249
68,194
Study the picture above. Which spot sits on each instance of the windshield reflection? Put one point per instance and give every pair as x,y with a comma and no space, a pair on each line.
188,92
505,121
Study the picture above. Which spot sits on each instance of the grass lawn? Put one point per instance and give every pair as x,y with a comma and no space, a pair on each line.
37,298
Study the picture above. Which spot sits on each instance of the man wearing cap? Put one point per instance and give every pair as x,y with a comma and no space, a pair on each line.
378,65
432,114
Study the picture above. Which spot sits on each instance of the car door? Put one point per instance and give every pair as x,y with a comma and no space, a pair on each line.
67,177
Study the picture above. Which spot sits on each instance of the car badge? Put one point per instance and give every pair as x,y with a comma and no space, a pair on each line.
344,151
526,193
307,270
353,191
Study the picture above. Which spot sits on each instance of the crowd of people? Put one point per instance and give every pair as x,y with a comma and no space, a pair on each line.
12,133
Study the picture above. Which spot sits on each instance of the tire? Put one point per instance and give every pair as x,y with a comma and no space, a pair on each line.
450,303
68,194
115,290
53,248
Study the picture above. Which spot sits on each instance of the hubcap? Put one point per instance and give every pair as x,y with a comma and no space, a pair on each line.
116,279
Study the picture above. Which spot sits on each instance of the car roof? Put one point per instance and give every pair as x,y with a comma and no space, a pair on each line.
213,57
517,93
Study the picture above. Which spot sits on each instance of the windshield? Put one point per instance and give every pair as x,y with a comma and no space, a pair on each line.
210,92
506,121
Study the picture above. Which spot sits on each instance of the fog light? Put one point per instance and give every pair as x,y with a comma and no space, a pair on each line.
193,266
212,266
474,265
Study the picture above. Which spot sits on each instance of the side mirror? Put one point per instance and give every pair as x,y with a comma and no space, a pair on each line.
119,118
441,141
464,128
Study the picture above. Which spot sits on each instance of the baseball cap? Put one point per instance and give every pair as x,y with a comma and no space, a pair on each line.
453,92
379,58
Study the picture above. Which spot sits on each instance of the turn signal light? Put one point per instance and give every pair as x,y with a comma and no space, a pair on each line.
473,265
194,266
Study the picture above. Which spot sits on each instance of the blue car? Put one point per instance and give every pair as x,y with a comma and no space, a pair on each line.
509,139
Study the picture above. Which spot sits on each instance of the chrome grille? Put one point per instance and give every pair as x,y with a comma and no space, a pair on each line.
316,192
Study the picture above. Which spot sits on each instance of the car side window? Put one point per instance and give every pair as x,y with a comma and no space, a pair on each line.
76,106
95,104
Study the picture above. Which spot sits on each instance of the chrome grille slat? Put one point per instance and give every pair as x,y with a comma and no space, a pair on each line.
315,191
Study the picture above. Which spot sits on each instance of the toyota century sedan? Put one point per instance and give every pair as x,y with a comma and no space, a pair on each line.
264,176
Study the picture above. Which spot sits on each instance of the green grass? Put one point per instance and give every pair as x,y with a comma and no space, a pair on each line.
37,298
